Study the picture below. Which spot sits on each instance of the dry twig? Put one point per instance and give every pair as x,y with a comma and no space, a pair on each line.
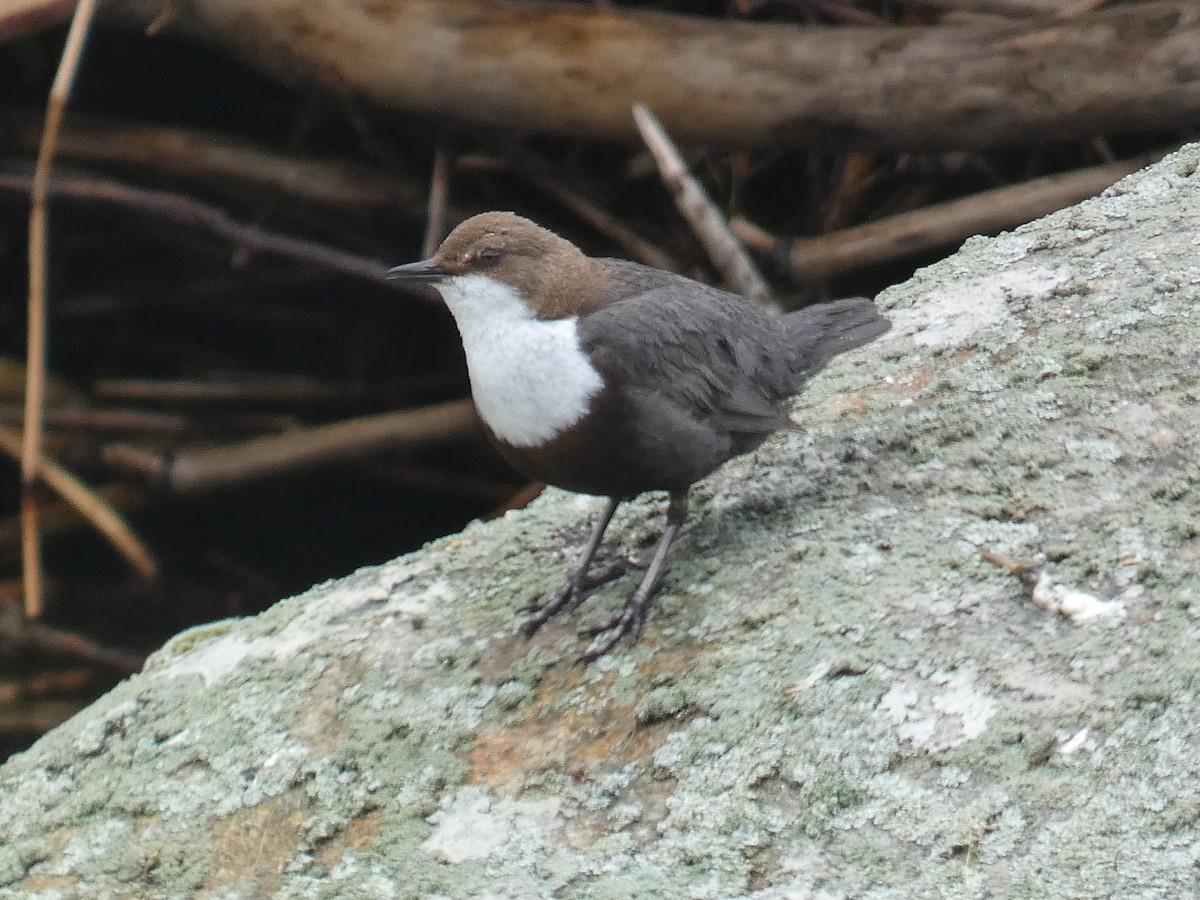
435,216
543,176
186,211
106,419
218,467
35,363
943,224
225,161
90,505
290,389
58,517
77,646
47,684
736,268
21,16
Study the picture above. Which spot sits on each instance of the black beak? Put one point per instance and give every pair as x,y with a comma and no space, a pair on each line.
425,270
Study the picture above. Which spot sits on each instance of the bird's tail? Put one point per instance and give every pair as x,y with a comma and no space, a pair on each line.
819,333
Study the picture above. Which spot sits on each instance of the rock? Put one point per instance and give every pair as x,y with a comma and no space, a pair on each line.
837,695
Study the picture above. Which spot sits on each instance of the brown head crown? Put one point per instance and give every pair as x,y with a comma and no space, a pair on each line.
552,274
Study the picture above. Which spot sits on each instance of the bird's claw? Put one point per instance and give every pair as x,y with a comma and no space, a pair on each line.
568,597
627,624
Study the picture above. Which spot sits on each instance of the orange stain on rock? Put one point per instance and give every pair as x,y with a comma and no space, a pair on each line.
572,727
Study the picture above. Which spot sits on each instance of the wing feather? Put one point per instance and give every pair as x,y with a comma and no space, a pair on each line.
717,356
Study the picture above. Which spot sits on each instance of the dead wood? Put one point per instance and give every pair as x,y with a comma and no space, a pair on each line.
707,221
1015,9
69,644
21,16
90,504
59,517
188,211
218,467
577,68
825,256
32,465
439,192
219,158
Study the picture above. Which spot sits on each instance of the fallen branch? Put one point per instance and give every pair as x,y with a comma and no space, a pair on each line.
58,517
90,505
737,269
227,161
186,211
941,225
19,17
1015,9
287,389
106,420
76,646
219,467
32,466
577,68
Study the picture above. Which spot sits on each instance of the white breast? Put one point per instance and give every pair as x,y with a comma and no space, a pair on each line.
529,376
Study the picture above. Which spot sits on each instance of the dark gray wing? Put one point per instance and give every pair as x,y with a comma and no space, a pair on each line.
715,355
719,357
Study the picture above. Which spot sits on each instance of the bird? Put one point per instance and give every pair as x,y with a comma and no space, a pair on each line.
612,378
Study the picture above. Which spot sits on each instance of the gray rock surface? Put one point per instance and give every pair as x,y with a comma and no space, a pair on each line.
837,695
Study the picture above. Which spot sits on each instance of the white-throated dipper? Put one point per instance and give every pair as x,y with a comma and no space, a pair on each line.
611,378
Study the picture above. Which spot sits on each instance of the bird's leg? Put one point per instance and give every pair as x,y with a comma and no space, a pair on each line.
633,616
571,594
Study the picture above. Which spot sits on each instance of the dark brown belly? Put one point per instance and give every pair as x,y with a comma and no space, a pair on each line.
622,448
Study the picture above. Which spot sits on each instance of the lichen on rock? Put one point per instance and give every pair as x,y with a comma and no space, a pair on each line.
836,695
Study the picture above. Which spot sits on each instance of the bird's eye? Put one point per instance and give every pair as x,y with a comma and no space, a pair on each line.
489,255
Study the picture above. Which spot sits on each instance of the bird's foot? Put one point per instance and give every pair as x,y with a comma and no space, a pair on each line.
571,595
627,623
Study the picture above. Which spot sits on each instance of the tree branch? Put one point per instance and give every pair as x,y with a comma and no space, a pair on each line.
577,68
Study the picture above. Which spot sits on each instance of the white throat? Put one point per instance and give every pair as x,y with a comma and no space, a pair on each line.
530,378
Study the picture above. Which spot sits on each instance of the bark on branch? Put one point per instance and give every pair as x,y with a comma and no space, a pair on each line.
577,69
